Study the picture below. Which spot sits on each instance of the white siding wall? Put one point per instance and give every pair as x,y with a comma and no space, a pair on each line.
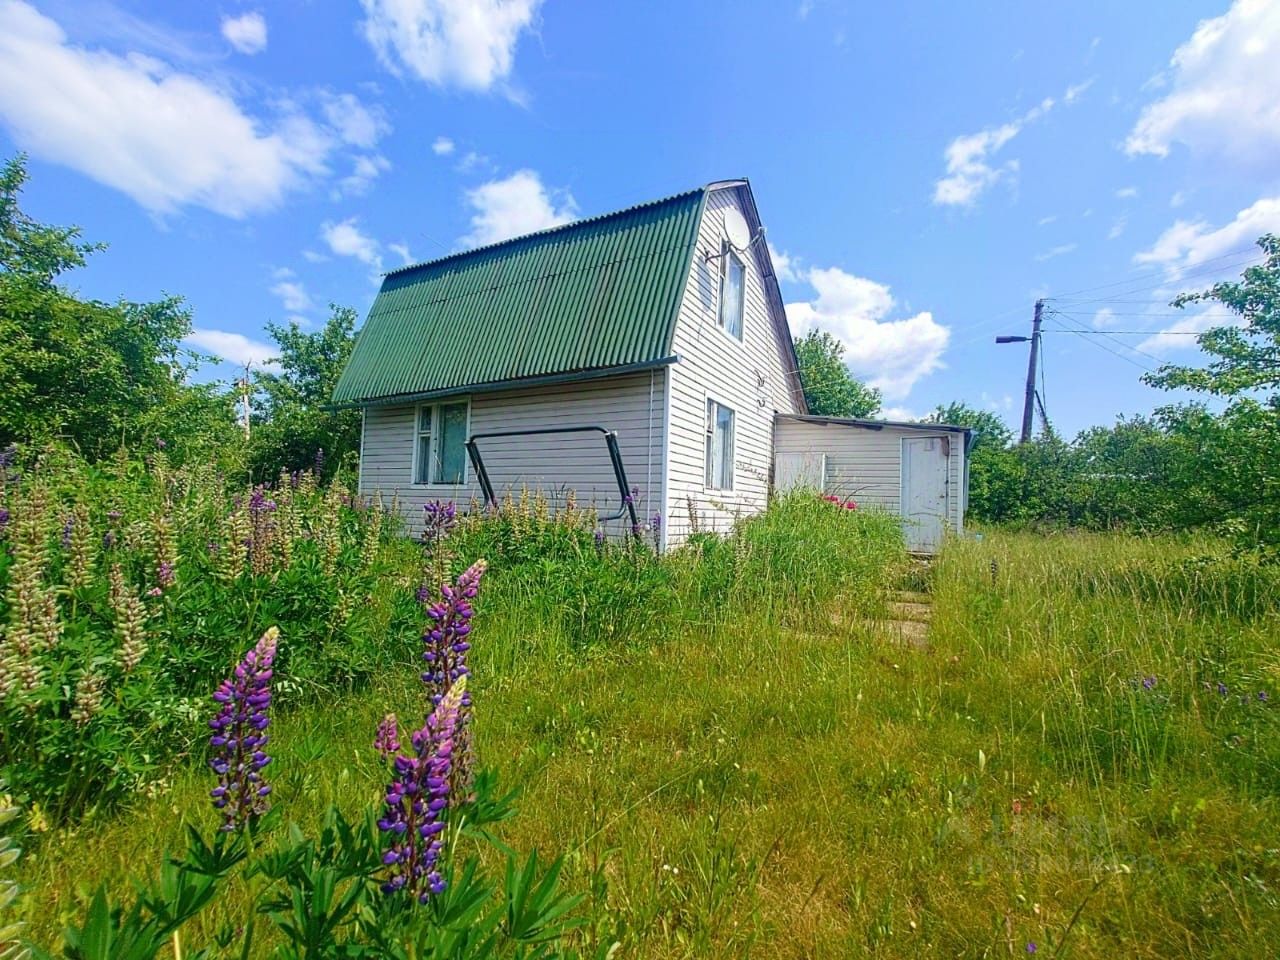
867,464
631,405
750,375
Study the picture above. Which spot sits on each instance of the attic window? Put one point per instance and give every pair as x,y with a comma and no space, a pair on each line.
733,275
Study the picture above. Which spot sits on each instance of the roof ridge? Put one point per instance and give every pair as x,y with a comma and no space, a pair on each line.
597,218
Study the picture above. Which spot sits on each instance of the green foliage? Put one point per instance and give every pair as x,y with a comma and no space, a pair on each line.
97,375
11,947
290,426
830,389
128,588
1243,357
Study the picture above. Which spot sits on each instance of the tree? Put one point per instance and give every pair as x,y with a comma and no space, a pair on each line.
95,374
291,424
829,389
1243,358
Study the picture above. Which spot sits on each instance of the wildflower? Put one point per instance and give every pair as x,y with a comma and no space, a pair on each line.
1263,696
439,517
4,519
319,462
131,627
416,801
851,504
68,525
240,734
80,542
446,641
387,740
1222,689
1148,683
599,537
88,698
1031,947
423,593
160,444
166,557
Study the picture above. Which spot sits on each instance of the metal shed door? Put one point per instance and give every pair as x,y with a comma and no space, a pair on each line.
924,491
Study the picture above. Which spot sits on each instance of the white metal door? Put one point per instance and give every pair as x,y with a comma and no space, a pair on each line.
924,491
805,471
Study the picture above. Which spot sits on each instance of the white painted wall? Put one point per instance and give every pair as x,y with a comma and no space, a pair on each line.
867,464
750,375
632,405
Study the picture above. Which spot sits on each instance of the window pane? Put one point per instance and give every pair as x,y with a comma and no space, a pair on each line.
451,467
724,440
731,295
423,467
424,419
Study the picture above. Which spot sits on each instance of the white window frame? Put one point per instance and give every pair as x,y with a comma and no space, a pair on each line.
709,411
433,453
726,253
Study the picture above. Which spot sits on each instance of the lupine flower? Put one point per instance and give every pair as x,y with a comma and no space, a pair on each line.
439,517
319,464
160,444
599,537
1263,696
88,699
417,799
131,626
1031,947
446,644
1148,683
387,740
240,734
4,519
423,593
68,525
1222,689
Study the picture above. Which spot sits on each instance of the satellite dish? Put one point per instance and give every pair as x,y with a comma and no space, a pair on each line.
736,230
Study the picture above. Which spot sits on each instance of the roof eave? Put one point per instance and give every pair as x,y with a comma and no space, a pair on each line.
501,386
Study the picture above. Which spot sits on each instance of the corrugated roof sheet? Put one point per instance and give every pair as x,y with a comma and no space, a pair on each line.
594,294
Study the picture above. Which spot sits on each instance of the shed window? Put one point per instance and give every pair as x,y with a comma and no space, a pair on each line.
733,275
719,446
440,453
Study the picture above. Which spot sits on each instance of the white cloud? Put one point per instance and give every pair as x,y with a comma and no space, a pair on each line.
233,347
247,32
355,122
166,138
474,161
1058,251
1104,318
442,146
1174,337
1045,221
345,239
293,295
1178,199
889,354
1223,90
1127,193
514,206
969,170
365,169
971,167
905,414
1188,243
314,256
465,43
1117,227
785,267
401,250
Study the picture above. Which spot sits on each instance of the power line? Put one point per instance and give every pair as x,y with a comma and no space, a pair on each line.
1130,333
1102,346
1117,283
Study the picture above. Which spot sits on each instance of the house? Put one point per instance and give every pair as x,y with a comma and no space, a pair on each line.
638,361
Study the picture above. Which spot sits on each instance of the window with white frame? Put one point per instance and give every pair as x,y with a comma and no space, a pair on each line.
733,281
719,446
440,452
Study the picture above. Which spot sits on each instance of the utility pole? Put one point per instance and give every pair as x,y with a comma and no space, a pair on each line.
1029,399
244,399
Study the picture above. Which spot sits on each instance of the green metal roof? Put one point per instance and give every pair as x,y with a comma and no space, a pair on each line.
599,294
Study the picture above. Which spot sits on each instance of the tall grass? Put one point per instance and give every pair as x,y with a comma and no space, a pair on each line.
750,763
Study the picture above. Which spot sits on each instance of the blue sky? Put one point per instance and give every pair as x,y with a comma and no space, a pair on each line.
925,171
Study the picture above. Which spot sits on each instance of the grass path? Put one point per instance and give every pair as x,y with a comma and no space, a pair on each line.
820,790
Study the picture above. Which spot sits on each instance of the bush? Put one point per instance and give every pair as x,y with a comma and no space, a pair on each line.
126,587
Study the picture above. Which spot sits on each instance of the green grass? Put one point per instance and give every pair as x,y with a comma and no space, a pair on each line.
766,773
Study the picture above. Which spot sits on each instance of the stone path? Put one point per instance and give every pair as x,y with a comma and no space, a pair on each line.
908,615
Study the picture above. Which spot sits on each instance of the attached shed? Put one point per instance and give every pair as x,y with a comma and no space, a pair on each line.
919,471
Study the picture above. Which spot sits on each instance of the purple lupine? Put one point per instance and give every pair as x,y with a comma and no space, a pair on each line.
4,519
1263,696
1222,689
68,528
1148,683
319,463
240,734
599,538
445,641
387,740
164,575
416,800
439,517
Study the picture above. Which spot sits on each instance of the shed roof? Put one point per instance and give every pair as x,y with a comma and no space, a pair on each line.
875,424
600,294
